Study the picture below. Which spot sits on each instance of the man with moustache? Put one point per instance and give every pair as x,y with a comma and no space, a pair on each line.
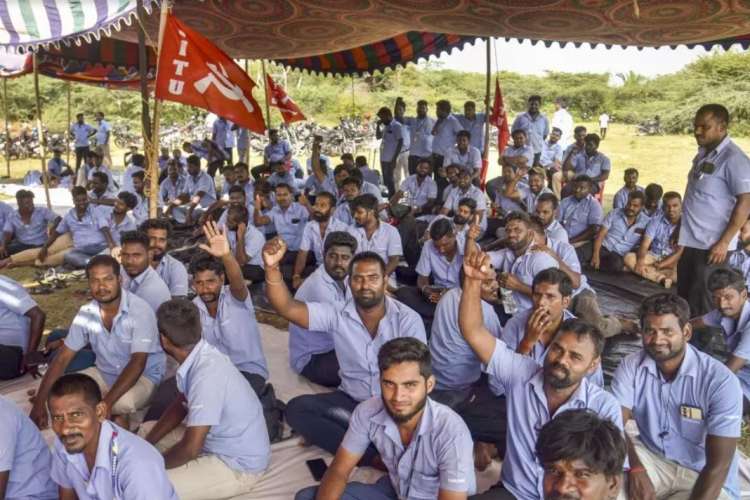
169,269
315,233
121,330
420,129
546,210
373,235
465,189
392,134
287,216
246,242
420,191
94,458
535,124
138,276
620,232
535,394
359,328
405,426
688,408
198,193
173,185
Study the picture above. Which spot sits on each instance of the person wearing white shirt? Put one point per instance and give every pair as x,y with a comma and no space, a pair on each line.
563,120
103,133
603,124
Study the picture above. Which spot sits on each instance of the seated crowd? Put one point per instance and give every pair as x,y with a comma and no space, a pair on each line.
453,324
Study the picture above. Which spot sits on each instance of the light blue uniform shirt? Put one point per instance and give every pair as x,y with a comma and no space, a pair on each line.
392,133
515,330
456,195
660,230
133,331
15,302
127,178
117,228
530,197
289,223
524,267
740,261
444,273
303,344
567,254
438,457
710,197
81,133
737,338
471,160
385,241
555,231
475,128
576,216
25,455
313,242
445,135
103,129
149,286
90,171
138,474
234,331
416,194
33,233
174,275
454,363
593,166
420,133
620,237
140,212
55,166
537,129
506,204
702,383
220,397
356,350
370,175
526,151
254,241
343,213
220,128
276,152
169,190
5,213
286,178
201,183
621,196
528,411
314,185
86,230
550,154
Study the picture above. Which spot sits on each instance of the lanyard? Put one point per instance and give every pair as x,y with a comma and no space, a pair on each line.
411,471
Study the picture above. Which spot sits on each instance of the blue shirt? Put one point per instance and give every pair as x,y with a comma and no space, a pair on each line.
289,223
86,230
475,128
576,216
276,152
370,175
5,212
702,383
420,135
660,230
356,350
15,302
454,363
149,286
220,128
303,344
550,154
33,233
445,135
525,151
621,196
528,411
81,133
740,261
530,197
286,178
438,457
470,160
506,204
416,194
593,166
385,241
133,331
456,195
313,241
169,190
567,254
523,267
343,213
103,130
444,273
536,128
737,339
201,183
127,178
234,331
253,244
219,396
714,182
622,238
25,455
55,166
138,473
392,134
174,275
117,228
555,231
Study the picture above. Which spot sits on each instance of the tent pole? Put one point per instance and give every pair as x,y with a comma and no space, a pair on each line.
153,152
486,150
143,71
354,107
67,132
40,132
7,131
268,94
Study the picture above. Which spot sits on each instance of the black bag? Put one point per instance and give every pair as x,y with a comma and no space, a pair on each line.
273,411
10,362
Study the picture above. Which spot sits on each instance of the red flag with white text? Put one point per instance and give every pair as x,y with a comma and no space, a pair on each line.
290,112
194,71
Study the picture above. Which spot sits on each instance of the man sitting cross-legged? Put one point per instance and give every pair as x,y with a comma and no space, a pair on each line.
359,328
94,458
406,427
581,216
658,254
688,407
121,329
311,353
24,229
620,232
222,449
21,327
535,394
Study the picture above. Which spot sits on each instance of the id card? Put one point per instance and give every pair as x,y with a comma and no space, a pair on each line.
691,412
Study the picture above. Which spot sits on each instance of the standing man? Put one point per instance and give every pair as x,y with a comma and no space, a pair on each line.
243,144
81,133
715,206
420,129
603,124
391,133
219,132
563,120
444,131
473,123
535,124
103,133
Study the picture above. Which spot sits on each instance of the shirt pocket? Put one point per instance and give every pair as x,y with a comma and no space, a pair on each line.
693,430
424,485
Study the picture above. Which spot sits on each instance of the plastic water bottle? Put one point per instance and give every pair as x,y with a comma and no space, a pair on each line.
509,302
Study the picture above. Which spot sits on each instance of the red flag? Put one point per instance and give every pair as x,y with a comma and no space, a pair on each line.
499,119
193,71
279,99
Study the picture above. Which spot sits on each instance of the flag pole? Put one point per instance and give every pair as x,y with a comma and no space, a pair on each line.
486,149
40,132
268,95
153,153
7,131
67,132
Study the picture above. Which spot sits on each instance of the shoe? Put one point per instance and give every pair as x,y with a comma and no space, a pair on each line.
667,283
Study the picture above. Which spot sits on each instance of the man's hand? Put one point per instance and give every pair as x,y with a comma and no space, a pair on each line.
595,261
115,253
477,266
640,267
3,252
218,245
42,256
537,325
718,253
640,486
475,230
273,252
241,230
510,281
39,414
297,281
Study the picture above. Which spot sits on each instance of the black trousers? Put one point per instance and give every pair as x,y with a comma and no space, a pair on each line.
412,297
256,274
610,261
81,152
387,167
411,230
693,271
323,369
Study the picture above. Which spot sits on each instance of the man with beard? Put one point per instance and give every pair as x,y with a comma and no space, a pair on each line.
420,130
465,189
473,123
173,185
391,133
100,194
581,215
373,235
593,163
403,420
120,221
141,210
419,191
444,132
288,217
535,394
582,456
246,243
569,155
93,457
464,155
630,177
315,233
359,329
620,232
94,166
536,126
138,276
546,210
688,408
169,269
552,153
311,353
26,227
121,329
198,194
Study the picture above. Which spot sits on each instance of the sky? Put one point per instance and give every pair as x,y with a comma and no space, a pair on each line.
523,57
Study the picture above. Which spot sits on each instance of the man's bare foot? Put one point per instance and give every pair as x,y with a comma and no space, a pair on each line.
483,453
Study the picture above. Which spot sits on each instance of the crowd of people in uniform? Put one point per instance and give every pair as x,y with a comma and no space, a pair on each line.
453,322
